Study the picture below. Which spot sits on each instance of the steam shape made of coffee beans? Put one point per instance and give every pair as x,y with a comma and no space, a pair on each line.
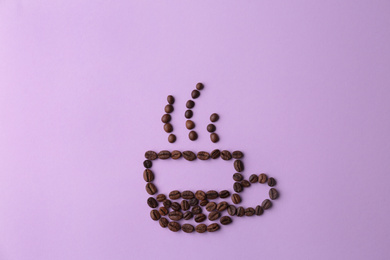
179,206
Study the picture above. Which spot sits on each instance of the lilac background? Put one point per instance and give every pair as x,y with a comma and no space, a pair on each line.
302,88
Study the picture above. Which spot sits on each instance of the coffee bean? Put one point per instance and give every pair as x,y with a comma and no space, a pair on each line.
190,124
214,215
222,206
259,210
195,94
166,118
240,211
152,202
193,135
187,194
273,194
237,154
224,194
226,155
203,155
196,210
215,154
245,183
263,178
211,128
167,203
266,204
232,210
164,155
190,104
225,220
174,226
249,211
170,99
214,138
236,199
150,188
155,215
188,228
193,201
174,195
175,215
151,155
163,222
148,164
211,194
187,215
168,109
201,228
200,195
238,177
237,187
271,182
175,155
148,175
176,206
163,211
185,205
238,165
199,86
168,127
188,155
253,178
188,114
213,227
200,218
214,117
161,197
203,202
211,206
172,138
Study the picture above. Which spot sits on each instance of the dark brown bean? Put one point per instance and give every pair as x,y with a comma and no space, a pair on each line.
188,114
188,155
187,215
237,187
214,215
253,178
155,215
211,128
259,210
232,210
249,211
172,138
200,218
175,215
176,206
168,109
263,178
151,188
273,194
201,228
174,195
225,220
170,99
226,155
200,195
271,182
166,118
148,175
266,204
222,206
195,94
193,201
190,124
224,194
151,155
190,104
185,205
238,165
193,135
196,210
163,222
215,154
245,183
213,227
148,164
163,211
237,154
187,194
211,206
174,226
236,199
161,197
167,203
214,117
238,177
152,202
164,155
203,202
214,138
240,211
175,155
203,155
211,194
188,228
199,86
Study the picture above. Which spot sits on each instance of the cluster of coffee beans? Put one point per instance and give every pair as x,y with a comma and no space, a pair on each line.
211,128
166,119
199,205
190,125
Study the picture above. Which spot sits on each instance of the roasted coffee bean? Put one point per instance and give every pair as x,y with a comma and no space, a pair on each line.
164,155
238,177
193,135
237,187
174,195
193,201
148,175
170,99
175,206
185,205
151,155
196,210
224,194
213,227
163,222
273,194
155,215
222,206
166,118
240,211
237,154
188,228
211,128
175,215
253,178
148,164
199,86
214,117
226,155
187,194
211,206
201,228
161,197
168,109
245,183
215,154
168,127
236,199
200,218
188,114
167,203
190,124
188,155
172,138
203,155
266,204
214,138
214,215
203,202
225,220
200,195
151,189
187,215
174,226
195,94
152,202
238,165
163,211
271,182
190,104
232,210
259,210
249,211
211,194
175,155
263,178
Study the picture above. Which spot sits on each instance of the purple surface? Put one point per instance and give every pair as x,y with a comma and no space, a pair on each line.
302,88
